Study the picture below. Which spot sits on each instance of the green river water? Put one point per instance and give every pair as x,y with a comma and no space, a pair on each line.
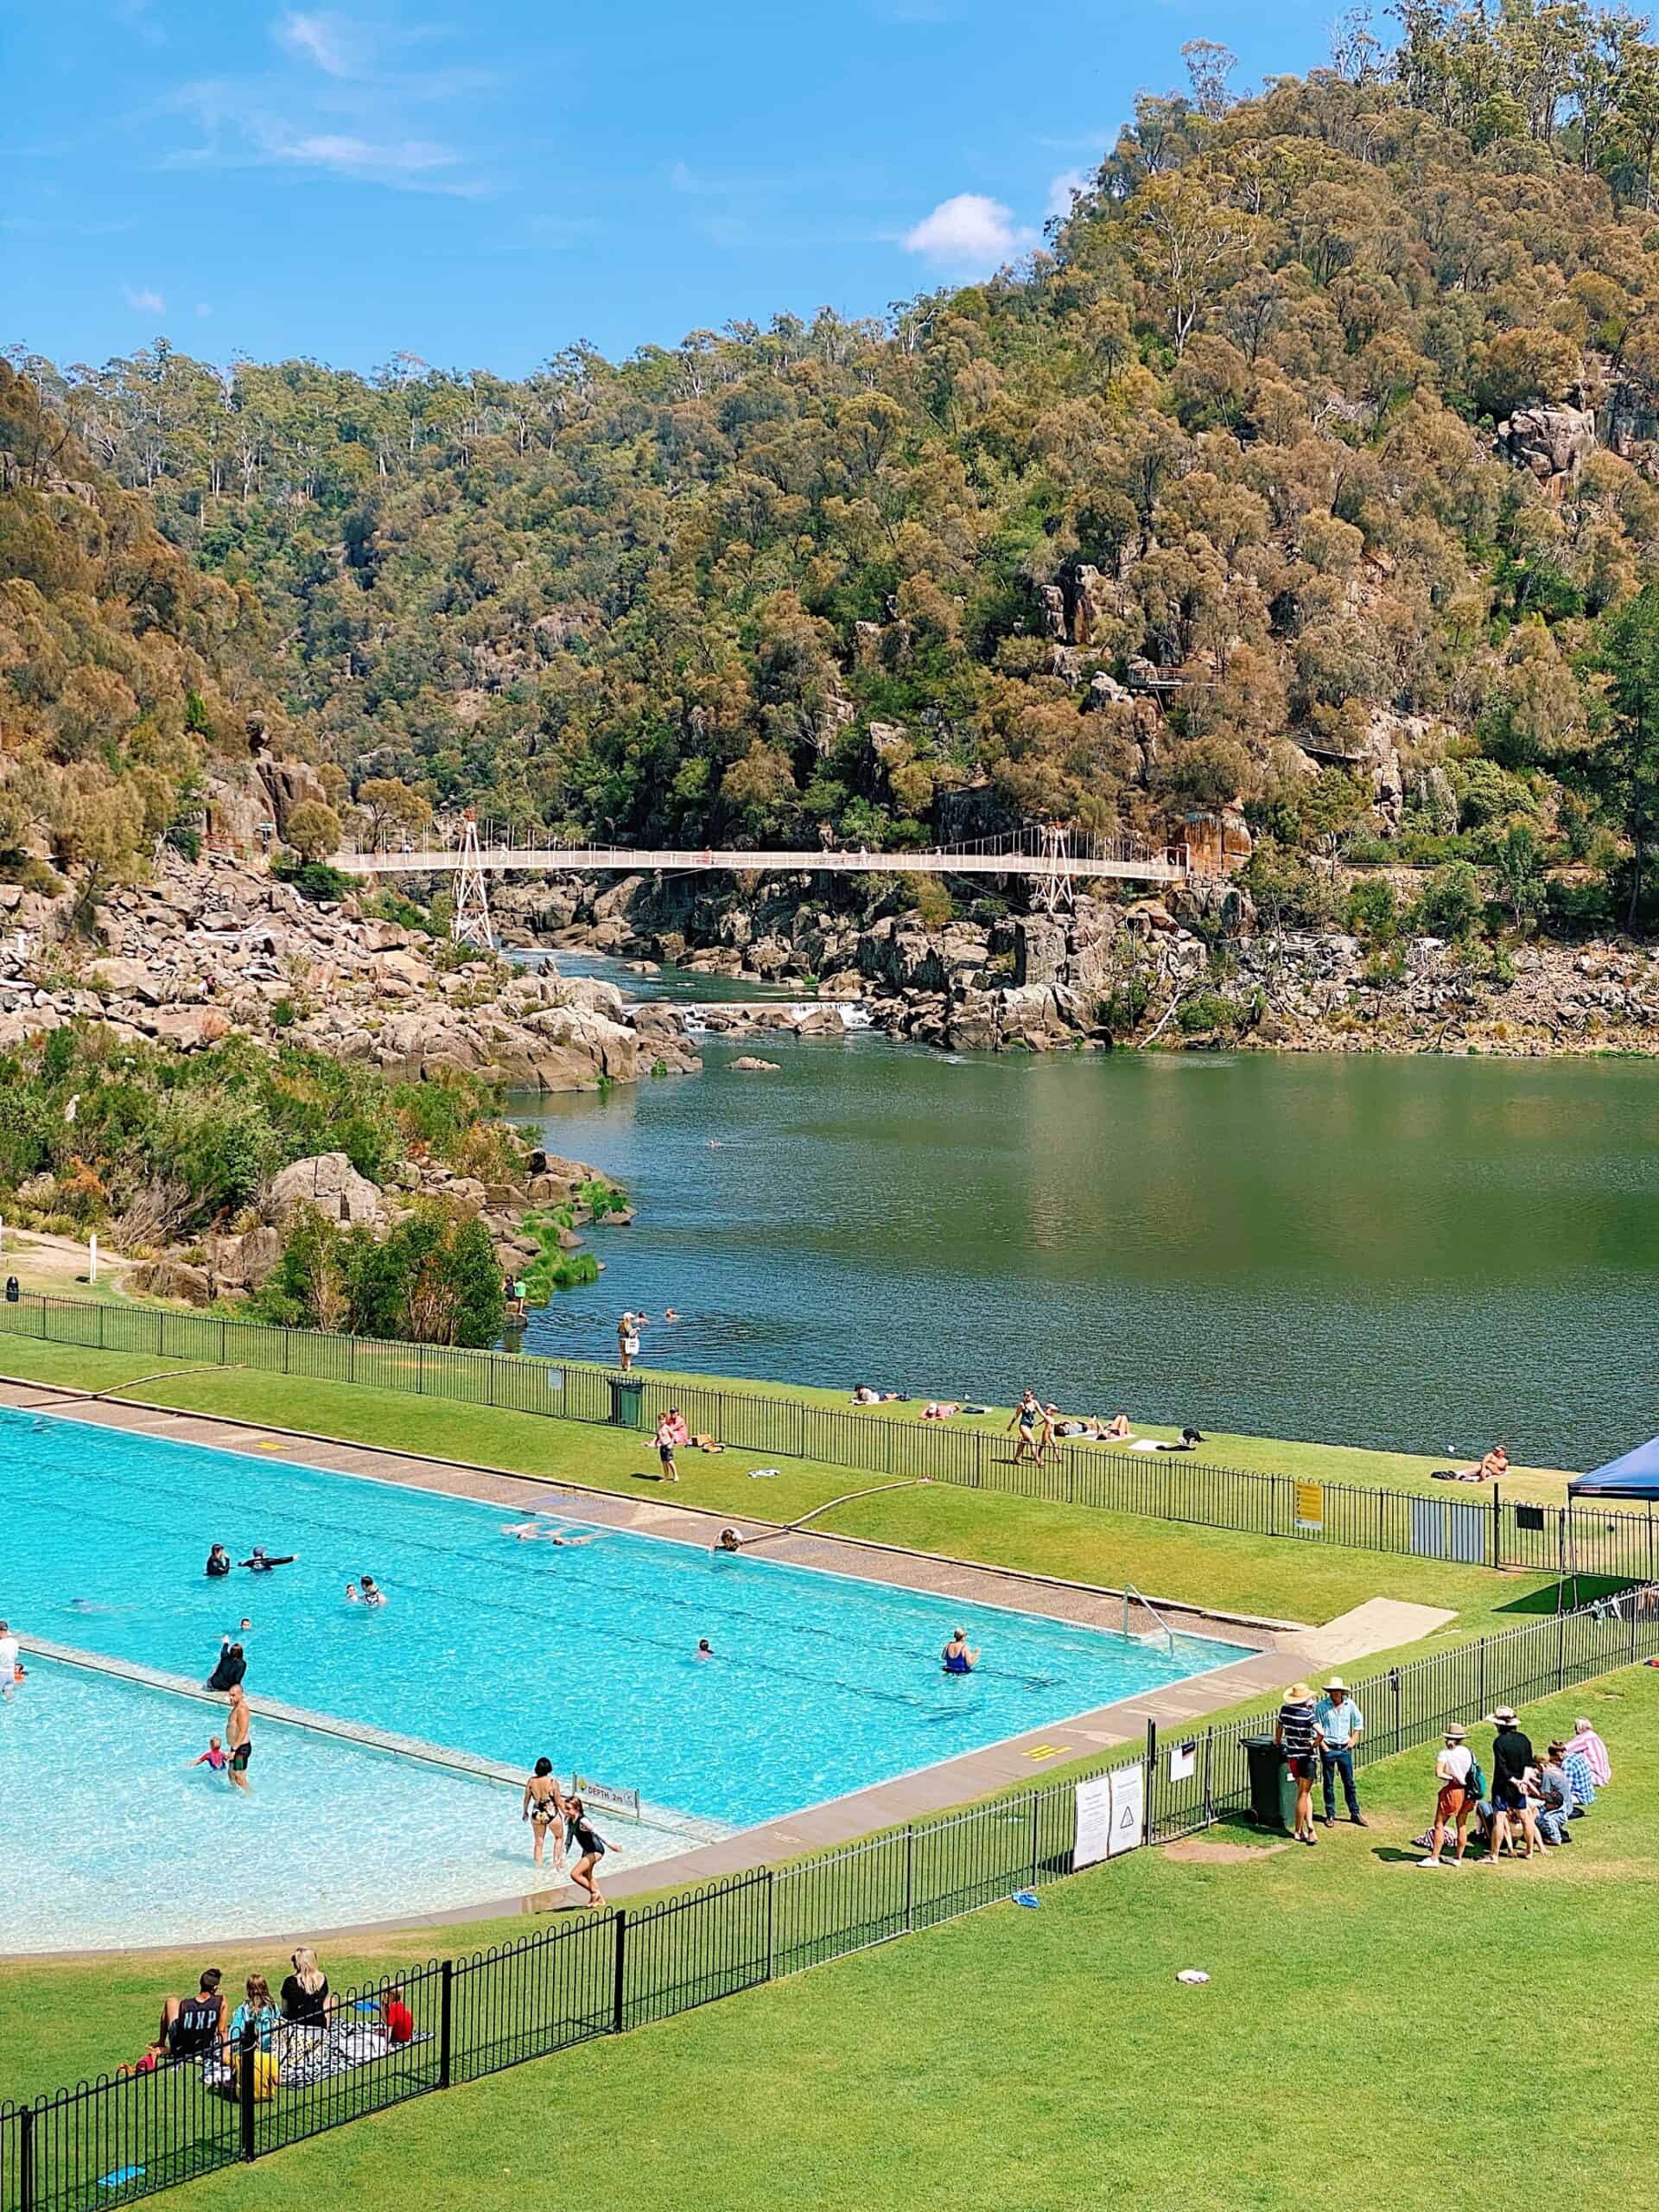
1429,1254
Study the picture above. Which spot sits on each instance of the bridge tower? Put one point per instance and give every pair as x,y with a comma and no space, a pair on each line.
470,923
1054,884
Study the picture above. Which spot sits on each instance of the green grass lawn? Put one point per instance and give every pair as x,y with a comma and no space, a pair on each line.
1281,1578
1368,2028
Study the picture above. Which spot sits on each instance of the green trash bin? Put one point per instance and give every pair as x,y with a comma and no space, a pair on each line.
1270,1779
627,1403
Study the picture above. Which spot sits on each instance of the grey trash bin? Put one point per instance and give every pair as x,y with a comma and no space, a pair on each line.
1268,1776
627,1399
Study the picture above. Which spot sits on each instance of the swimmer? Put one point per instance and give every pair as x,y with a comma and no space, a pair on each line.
262,1562
728,1541
213,1757
669,1315
372,1593
219,1562
352,1597
956,1658
232,1669
705,1649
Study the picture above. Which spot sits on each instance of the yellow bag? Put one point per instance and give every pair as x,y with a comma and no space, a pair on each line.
264,2074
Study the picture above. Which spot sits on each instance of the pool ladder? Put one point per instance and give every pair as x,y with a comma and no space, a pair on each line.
1145,1606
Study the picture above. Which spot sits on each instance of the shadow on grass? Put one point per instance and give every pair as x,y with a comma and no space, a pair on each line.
1559,1597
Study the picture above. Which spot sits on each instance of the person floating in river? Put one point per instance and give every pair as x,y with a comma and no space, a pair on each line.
956,1658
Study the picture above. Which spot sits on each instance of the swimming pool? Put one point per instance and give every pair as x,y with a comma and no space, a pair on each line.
819,1684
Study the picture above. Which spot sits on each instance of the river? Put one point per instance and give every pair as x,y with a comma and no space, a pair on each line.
1427,1254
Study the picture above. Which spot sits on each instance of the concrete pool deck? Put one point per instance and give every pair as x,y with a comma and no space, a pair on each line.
1281,1648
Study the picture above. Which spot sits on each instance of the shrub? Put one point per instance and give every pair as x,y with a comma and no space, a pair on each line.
1209,1010
1374,912
1450,904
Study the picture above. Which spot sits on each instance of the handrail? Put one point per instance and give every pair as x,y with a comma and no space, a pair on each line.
1146,1605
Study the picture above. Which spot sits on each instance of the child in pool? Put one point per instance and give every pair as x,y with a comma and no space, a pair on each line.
213,1757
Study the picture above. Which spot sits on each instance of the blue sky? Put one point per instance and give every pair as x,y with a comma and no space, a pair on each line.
481,182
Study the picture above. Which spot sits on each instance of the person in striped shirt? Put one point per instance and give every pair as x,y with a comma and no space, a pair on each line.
1298,1736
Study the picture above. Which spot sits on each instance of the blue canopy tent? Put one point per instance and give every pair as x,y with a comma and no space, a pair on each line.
1633,1476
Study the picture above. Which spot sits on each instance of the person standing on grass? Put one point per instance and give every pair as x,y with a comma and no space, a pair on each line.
238,1736
586,1840
1028,1415
1511,1807
1297,1735
667,1435
1454,1771
544,1809
1341,1724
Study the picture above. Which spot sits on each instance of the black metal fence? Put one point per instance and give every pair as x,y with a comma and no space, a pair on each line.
113,2141
1485,1530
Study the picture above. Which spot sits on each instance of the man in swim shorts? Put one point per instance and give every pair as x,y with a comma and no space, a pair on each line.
238,1735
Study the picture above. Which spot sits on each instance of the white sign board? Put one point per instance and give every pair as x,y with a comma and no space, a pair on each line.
602,1797
1183,1759
1111,1812
1129,1808
1094,1841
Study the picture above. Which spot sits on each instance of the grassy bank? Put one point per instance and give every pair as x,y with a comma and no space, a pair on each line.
1049,2057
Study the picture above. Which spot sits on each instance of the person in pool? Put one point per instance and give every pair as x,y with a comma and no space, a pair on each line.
219,1562
233,1667
585,1839
262,1562
372,1593
956,1658
213,1757
705,1649
544,1809
728,1541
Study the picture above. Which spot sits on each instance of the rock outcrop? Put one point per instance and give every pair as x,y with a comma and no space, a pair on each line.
1553,441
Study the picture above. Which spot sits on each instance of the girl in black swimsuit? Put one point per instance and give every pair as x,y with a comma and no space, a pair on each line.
584,1838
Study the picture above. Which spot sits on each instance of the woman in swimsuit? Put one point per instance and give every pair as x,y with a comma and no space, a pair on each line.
585,1839
1026,1414
545,1809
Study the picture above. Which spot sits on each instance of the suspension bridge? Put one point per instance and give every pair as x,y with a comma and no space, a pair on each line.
1048,852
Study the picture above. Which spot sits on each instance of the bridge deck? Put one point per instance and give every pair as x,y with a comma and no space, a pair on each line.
613,860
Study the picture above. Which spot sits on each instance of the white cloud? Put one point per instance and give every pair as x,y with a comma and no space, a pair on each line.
1062,187
323,39
143,301
969,231
363,157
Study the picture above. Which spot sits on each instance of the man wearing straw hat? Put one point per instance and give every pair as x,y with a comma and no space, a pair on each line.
1341,1724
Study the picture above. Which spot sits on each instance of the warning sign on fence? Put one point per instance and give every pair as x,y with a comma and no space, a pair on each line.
1310,1505
1111,1814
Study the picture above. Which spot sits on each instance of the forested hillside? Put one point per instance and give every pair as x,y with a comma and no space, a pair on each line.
125,668
1307,469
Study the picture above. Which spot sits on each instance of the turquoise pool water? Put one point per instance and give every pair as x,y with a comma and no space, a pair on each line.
113,1838
820,1684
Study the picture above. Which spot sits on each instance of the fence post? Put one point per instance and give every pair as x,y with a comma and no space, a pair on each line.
25,2159
772,1922
910,1873
618,2000
1481,1702
1393,1684
446,2020
1036,1815
1560,1651
1148,1824
100,1328
420,1371
1209,1768
245,2091
1498,1533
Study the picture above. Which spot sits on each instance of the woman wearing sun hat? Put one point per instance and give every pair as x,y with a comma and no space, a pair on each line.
1297,1735
1454,1767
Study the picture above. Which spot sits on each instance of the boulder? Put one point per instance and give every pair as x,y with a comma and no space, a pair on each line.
327,1181
124,979
170,1278
190,1028
748,1064
1553,441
